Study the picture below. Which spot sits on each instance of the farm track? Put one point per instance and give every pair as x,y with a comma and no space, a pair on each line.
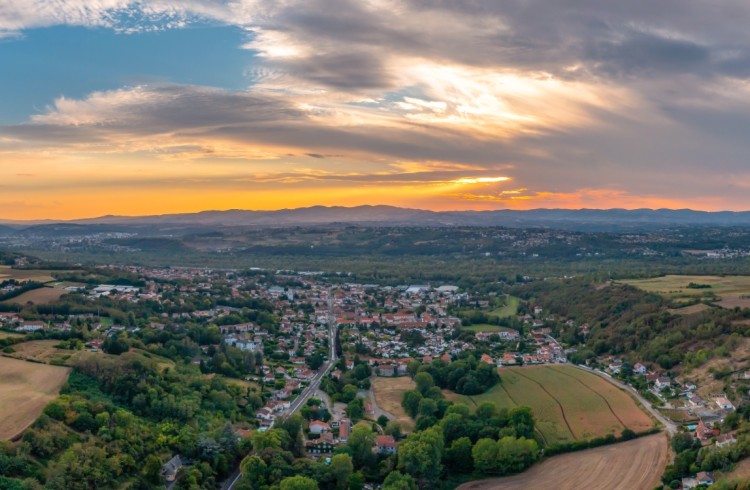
562,410
536,429
599,395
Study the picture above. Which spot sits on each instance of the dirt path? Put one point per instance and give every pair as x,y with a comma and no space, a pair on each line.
562,410
632,465
600,396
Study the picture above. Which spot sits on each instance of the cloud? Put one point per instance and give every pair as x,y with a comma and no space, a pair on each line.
600,100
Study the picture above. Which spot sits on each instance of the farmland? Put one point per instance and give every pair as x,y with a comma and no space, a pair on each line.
35,275
37,296
729,291
25,388
568,404
10,335
635,464
388,393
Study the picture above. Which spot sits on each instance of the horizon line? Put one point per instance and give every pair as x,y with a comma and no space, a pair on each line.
137,216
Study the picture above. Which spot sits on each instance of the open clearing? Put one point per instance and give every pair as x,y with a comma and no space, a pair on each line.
388,393
632,465
25,388
731,290
740,472
509,310
569,404
486,327
10,335
37,296
46,352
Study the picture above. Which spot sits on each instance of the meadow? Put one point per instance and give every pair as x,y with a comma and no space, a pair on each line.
569,404
729,291
388,394
25,388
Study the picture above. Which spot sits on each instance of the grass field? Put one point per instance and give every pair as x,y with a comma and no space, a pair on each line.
486,327
37,296
6,272
569,404
10,335
46,352
25,388
388,393
509,310
732,290
636,464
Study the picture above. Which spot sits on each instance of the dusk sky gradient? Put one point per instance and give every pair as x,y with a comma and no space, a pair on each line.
165,106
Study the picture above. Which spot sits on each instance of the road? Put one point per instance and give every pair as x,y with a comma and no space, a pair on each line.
669,426
300,401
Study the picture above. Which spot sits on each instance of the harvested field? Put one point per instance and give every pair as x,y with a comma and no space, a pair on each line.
388,393
37,296
569,404
632,465
25,388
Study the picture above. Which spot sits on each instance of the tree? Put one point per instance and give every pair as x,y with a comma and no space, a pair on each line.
410,401
361,442
342,469
398,481
459,457
484,454
355,409
682,441
421,454
357,481
254,471
268,439
427,407
298,483
424,382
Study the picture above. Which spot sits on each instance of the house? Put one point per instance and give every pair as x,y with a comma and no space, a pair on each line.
319,427
344,429
487,359
387,370
386,445
705,478
639,369
702,431
723,403
726,440
615,367
323,445
265,415
169,470
663,382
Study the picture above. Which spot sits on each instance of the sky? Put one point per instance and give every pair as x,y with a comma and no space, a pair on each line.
166,106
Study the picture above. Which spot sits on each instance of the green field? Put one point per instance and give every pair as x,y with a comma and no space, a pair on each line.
485,327
569,404
509,310
729,291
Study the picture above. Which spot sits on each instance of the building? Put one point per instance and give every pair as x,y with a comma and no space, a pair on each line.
169,470
723,403
726,440
319,427
639,369
386,445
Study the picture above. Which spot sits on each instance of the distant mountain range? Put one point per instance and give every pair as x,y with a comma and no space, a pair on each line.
565,219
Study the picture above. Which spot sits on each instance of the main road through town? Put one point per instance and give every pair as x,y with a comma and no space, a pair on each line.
301,400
